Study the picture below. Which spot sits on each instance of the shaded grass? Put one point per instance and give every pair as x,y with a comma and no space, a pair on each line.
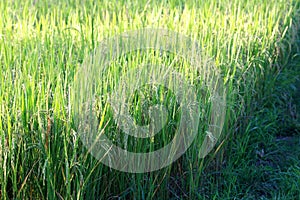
266,155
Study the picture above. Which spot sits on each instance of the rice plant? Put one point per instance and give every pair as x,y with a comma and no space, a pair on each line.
45,43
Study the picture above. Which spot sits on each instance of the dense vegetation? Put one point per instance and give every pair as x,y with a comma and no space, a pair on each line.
255,44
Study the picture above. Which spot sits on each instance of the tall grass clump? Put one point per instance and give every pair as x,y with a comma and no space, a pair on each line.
44,43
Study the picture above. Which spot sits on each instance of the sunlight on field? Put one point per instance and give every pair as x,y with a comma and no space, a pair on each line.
43,45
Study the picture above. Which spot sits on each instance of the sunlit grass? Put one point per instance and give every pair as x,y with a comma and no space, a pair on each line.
43,45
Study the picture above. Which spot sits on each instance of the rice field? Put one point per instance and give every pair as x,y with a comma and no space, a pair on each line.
44,46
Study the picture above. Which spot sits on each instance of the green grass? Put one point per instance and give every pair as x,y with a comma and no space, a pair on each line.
255,44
